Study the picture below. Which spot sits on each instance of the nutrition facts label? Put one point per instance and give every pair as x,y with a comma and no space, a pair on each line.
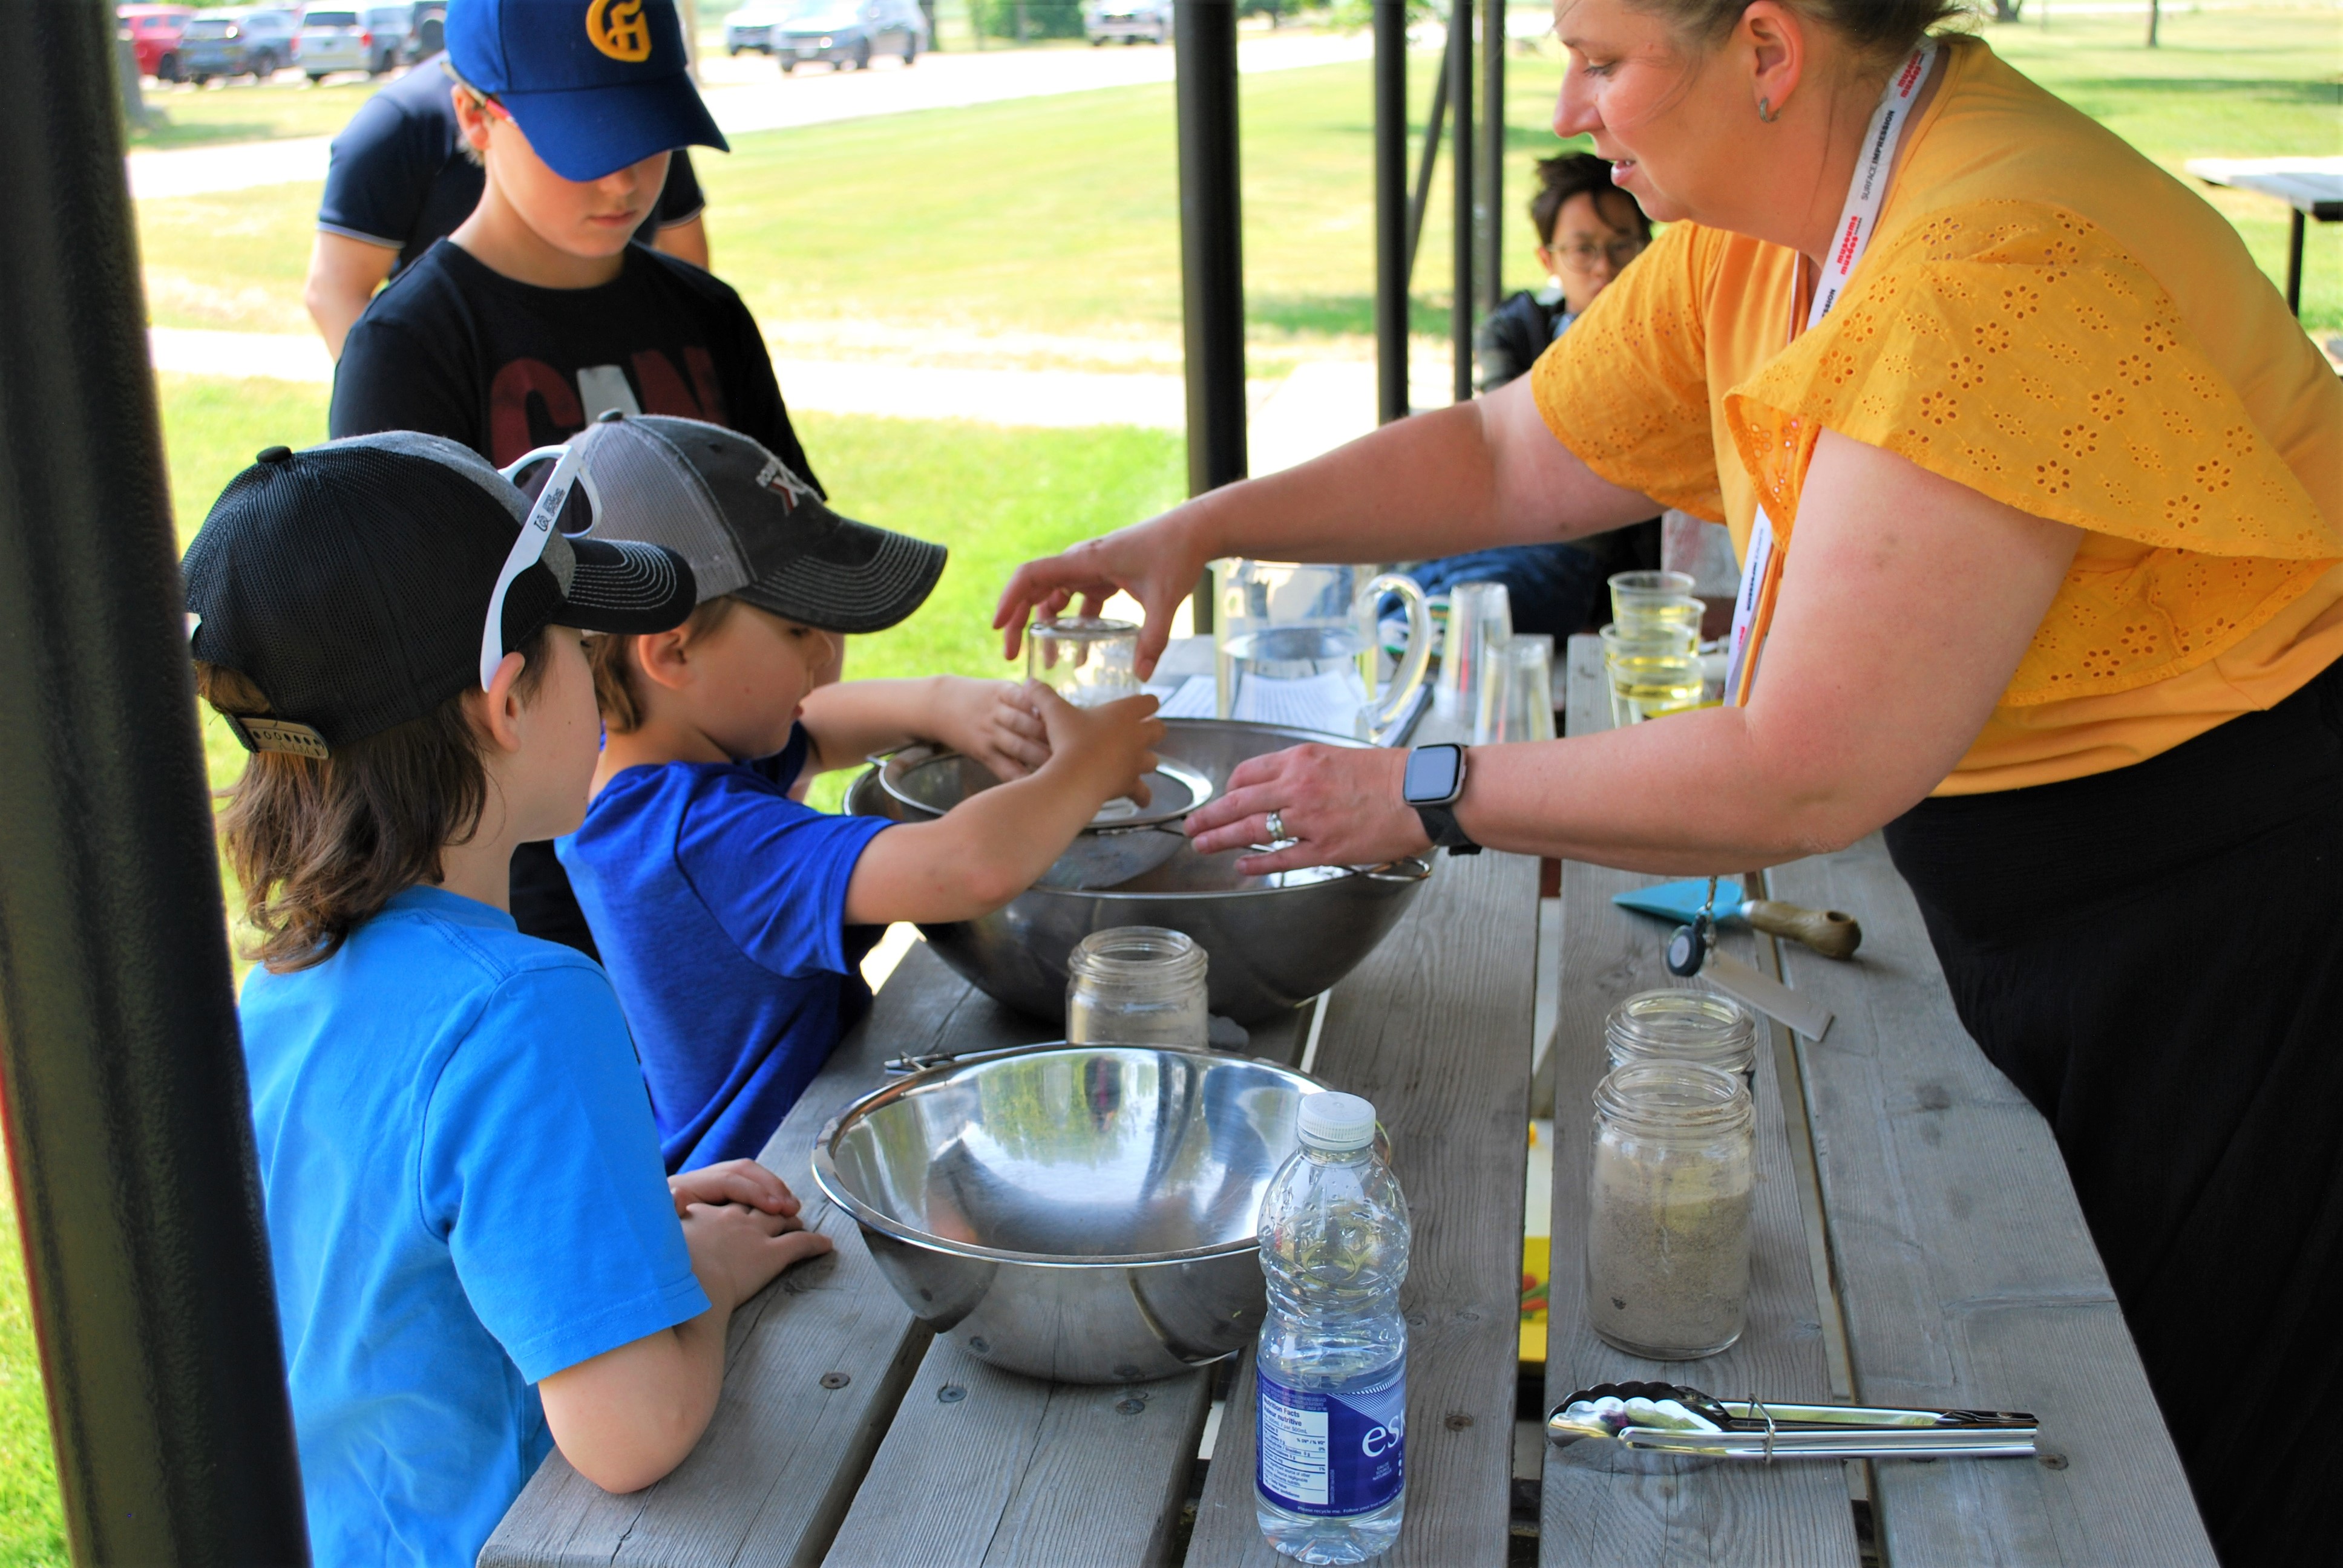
1292,1445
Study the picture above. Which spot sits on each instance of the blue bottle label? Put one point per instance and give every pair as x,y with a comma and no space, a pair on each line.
1334,1453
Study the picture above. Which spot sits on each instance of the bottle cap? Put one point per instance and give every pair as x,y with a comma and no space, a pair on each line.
1337,1123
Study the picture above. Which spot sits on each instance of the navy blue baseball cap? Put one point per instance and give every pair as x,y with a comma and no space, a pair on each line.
595,85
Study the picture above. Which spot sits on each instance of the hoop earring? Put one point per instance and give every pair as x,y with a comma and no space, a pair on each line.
1766,112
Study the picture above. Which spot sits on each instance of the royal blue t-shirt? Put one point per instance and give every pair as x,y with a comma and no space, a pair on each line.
463,1197
719,906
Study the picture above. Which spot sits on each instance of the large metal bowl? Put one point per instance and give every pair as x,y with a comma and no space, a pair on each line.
1085,1213
1274,941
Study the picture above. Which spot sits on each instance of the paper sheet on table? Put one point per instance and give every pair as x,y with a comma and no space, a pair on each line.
1328,701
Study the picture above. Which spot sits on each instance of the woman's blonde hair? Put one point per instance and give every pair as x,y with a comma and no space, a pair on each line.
1879,30
319,845
613,662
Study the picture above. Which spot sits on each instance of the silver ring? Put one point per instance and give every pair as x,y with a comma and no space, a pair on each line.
1277,833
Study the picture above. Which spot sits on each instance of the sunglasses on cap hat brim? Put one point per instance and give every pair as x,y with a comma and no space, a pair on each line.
536,533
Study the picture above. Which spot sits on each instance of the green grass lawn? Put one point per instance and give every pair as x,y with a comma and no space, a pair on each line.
244,111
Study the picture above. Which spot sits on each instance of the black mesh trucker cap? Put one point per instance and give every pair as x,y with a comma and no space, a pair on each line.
749,525
353,583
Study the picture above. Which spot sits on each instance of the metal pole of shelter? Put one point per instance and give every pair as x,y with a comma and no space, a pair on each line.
1493,156
1390,210
1211,253
1460,102
127,1124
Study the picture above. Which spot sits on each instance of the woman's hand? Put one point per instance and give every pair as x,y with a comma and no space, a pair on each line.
992,721
1342,805
1156,562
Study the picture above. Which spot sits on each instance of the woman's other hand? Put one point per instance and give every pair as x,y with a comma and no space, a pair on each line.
1156,562
992,721
1342,805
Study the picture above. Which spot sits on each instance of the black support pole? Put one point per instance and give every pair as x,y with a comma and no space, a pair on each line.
1211,253
1492,156
1460,103
1392,256
129,1129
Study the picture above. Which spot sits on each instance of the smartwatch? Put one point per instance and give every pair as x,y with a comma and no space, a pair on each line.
1436,781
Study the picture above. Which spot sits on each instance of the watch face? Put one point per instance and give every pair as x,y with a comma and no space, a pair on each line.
1432,774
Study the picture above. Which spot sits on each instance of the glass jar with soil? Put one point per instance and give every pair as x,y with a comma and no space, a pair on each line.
1667,1199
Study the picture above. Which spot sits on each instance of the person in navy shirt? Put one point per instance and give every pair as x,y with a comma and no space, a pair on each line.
732,917
477,1257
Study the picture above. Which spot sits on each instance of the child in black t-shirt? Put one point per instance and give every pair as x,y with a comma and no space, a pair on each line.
539,313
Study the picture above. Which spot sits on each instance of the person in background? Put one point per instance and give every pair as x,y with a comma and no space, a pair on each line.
403,177
1588,231
539,312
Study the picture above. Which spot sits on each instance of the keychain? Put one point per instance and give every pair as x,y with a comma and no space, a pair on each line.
1688,948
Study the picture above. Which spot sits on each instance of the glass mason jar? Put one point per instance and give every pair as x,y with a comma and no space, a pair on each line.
1667,1209
1136,985
1684,1026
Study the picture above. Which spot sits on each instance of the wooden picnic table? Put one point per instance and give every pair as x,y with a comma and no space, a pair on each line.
2311,187
1917,1242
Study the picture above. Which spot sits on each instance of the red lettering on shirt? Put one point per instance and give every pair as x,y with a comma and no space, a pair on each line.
664,391
508,396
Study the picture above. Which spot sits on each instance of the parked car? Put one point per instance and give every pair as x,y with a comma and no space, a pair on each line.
155,34
846,32
332,41
257,44
388,25
1128,20
751,26
426,31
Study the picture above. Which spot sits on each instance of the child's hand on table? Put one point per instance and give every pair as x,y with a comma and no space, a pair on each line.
740,1225
990,721
732,1182
1116,739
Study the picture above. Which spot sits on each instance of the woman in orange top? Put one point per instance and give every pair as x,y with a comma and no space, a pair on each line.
2057,491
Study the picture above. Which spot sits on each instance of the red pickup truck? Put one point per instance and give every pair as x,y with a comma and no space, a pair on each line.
155,33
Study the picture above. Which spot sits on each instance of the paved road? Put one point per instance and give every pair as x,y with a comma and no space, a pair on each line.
750,93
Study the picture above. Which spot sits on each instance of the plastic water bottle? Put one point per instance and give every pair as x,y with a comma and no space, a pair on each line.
1330,1480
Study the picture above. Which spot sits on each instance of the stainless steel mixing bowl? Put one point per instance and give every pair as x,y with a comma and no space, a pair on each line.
1085,1212
1274,941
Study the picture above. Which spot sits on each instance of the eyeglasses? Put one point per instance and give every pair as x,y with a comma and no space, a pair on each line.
1582,256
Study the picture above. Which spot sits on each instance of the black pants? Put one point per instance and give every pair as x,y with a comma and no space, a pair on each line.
2155,956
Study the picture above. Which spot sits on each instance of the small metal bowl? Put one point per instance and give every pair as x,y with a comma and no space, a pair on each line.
1085,1213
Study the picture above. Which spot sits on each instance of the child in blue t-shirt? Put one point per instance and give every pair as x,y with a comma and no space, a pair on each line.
732,917
476,1258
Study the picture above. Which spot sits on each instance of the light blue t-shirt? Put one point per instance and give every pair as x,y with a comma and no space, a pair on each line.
463,1197
720,905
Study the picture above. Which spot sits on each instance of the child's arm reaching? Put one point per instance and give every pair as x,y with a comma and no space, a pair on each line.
627,1417
990,721
989,848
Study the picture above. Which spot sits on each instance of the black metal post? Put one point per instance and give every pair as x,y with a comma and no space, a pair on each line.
1392,253
1460,101
128,1128
1212,254
1492,156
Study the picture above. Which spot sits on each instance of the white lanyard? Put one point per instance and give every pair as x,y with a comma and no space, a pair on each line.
1760,574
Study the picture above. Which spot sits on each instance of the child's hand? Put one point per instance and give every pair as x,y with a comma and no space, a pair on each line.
733,1182
736,1250
1115,739
991,721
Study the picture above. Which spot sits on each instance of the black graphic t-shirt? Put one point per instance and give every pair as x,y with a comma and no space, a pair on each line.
453,348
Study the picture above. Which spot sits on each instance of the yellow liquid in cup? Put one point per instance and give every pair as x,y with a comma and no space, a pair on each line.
1649,688
1648,616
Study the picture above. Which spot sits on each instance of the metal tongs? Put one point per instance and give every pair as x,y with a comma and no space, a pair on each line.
1669,1418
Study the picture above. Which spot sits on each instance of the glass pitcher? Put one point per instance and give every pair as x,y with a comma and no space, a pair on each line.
1299,645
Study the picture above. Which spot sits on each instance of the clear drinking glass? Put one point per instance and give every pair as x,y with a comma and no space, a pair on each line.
1668,1208
1684,1026
1086,661
1472,649
1137,985
1648,683
1526,712
1631,590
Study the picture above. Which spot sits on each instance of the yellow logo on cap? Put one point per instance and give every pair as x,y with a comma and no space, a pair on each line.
617,28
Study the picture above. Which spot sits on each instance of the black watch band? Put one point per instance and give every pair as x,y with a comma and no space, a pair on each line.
1440,822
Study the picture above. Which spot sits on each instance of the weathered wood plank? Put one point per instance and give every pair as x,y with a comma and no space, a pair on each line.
1435,1028
783,1455
1967,1273
1793,1515
985,1469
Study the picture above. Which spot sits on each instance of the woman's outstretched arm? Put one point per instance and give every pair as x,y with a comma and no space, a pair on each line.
1483,473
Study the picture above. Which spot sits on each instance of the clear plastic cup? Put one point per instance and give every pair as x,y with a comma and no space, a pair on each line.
1631,590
